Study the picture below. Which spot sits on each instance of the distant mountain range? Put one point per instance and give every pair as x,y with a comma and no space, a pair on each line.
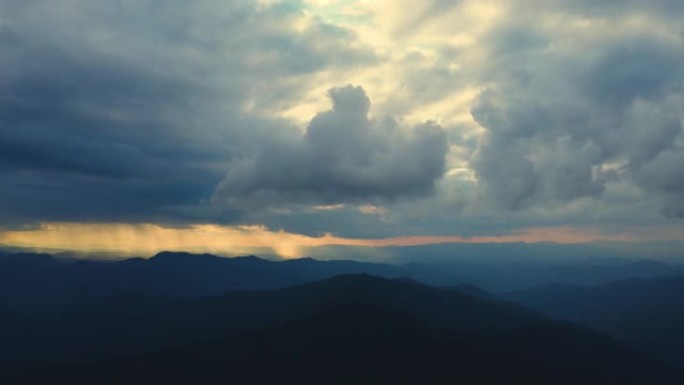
645,313
512,276
40,282
133,317
348,329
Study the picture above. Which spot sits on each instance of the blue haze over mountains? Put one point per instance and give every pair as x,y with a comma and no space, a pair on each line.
197,317
41,281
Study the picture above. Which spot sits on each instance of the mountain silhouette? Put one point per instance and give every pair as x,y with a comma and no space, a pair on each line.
40,283
645,313
504,276
346,329
32,282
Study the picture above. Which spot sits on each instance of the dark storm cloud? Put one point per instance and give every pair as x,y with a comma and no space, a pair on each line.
128,110
83,137
70,197
343,157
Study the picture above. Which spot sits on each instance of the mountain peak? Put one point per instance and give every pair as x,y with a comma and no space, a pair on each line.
181,256
248,258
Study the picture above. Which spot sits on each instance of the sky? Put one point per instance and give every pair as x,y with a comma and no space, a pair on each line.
134,126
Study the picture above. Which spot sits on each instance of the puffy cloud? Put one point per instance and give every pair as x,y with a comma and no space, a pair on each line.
508,175
128,110
561,123
344,156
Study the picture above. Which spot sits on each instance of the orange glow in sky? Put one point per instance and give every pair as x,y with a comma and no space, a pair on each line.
147,239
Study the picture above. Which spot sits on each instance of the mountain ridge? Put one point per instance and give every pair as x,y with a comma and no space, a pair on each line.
647,314
364,328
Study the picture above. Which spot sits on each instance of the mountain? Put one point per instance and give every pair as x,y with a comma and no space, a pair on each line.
645,313
347,329
38,282
502,275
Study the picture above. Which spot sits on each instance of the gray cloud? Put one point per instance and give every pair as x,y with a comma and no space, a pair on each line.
131,111
506,173
343,157
582,125
635,67
159,111
604,7
565,127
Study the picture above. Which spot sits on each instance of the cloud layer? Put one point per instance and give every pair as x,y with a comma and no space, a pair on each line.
486,116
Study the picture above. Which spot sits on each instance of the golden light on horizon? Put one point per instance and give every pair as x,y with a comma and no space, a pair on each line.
148,239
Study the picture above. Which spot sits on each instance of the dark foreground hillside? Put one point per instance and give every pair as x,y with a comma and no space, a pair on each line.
348,329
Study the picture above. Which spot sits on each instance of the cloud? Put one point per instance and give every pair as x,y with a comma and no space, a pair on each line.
539,113
126,110
343,157
664,174
563,124
505,173
604,8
